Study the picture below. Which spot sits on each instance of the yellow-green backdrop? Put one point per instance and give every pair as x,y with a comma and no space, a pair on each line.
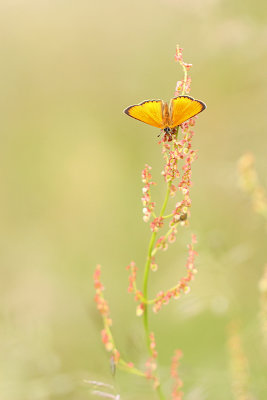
70,181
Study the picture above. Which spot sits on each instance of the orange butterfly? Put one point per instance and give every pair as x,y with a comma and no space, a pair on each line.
157,113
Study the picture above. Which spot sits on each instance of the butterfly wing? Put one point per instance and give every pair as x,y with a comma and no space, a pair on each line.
184,107
149,111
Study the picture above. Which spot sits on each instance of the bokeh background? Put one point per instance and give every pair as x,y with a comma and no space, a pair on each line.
70,186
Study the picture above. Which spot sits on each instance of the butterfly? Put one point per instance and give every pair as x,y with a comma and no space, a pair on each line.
166,117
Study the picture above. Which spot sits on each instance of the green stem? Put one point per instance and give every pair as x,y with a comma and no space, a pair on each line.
147,267
145,283
165,237
146,274
167,216
160,394
185,79
124,366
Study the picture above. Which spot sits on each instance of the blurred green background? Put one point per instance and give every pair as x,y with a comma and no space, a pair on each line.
70,182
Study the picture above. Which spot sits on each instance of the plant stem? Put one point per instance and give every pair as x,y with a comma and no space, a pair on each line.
146,274
145,284
148,261
160,394
185,79
124,366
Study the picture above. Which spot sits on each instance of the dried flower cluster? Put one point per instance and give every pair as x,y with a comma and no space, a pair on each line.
106,334
184,85
103,308
182,286
163,297
249,182
239,365
151,364
176,392
146,198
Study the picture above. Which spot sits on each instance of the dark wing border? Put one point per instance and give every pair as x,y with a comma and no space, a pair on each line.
140,104
192,98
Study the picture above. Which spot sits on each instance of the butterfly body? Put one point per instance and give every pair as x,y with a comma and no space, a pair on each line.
166,117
